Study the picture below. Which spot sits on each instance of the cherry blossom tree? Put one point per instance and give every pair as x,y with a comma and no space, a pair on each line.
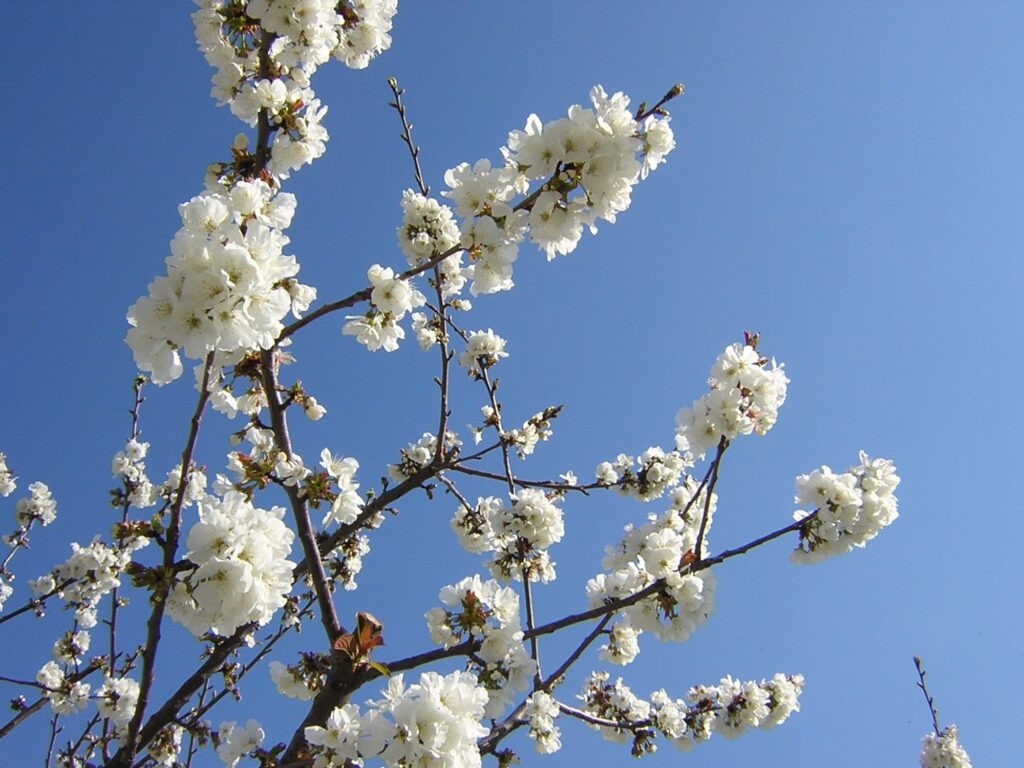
266,533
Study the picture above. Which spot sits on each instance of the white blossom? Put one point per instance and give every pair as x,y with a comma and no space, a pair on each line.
65,696
7,478
39,506
747,391
241,575
943,750
116,699
852,507
235,741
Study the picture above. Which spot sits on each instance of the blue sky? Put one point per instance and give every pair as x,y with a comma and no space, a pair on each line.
847,181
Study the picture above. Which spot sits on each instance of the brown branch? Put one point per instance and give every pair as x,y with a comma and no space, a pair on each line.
300,509
35,706
928,697
676,90
126,754
414,151
363,295
698,547
489,743
35,603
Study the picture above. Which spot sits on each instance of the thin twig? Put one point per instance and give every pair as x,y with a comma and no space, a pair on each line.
126,754
698,547
928,697
676,90
608,608
300,509
489,743
35,603
414,151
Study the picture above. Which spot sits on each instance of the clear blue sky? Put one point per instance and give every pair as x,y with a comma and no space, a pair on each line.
847,181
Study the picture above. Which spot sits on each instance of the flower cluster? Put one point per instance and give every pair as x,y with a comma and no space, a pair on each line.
661,549
299,681
87,576
40,507
7,478
66,695
541,711
943,750
747,391
129,465
483,350
228,284
485,611
435,722
347,503
729,709
852,507
166,745
518,536
71,647
418,455
303,34
588,163
234,741
391,299
116,699
428,228
624,713
241,574
656,472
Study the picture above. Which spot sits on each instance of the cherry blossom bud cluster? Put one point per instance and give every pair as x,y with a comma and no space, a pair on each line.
747,391
661,549
234,742
483,350
588,164
87,576
66,696
241,572
518,536
391,299
943,750
656,471
228,283
484,611
541,711
435,722
852,507
7,478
